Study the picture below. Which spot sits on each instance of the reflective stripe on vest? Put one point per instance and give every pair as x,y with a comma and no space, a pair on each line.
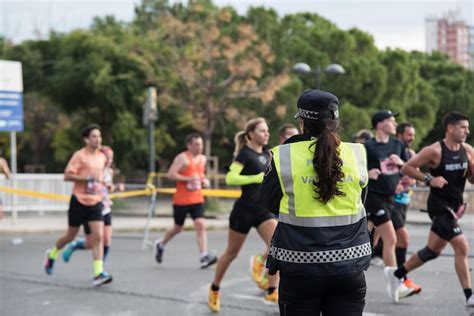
361,157
316,214
326,256
322,221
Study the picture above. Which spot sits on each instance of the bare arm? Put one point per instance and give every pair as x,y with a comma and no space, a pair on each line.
470,155
72,170
428,156
5,168
69,176
205,181
178,164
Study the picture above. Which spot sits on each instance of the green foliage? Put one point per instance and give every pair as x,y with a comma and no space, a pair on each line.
213,70
353,119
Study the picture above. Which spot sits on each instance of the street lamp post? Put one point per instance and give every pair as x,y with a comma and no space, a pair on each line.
304,68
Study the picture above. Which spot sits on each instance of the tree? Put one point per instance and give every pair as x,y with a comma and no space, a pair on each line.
216,62
452,86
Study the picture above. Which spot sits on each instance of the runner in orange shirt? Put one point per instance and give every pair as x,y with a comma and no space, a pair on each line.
85,169
188,170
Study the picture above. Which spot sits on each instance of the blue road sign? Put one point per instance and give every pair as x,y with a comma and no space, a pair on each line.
11,111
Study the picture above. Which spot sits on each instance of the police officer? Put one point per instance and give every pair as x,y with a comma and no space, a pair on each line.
321,245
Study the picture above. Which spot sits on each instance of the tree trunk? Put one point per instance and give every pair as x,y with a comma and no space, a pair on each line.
211,123
207,143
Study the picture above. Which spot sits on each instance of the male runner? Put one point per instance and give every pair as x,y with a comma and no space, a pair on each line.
450,162
385,156
188,170
406,134
85,169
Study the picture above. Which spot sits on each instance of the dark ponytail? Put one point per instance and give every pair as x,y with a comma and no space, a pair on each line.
326,162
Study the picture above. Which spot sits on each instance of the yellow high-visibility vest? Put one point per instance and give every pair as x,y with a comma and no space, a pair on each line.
294,166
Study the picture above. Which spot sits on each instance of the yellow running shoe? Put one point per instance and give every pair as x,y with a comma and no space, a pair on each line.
213,301
263,284
257,265
271,298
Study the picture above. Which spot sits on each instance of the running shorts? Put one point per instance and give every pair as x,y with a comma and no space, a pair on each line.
244,216
181,211
445,225
399,215
378,207
107,222
79,214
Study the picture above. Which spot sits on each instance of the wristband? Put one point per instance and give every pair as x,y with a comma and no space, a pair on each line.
427,179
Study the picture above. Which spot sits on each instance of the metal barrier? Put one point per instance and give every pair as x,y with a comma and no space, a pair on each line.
49,192
45,182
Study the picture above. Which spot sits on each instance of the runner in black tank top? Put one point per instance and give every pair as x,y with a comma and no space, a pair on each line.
451,162
453,167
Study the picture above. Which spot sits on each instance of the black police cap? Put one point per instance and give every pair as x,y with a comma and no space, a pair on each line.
317,104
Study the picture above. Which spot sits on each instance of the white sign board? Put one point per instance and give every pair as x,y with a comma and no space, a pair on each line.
11,96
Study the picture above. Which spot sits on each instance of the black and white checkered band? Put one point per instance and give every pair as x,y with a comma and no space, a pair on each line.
327,256
312,115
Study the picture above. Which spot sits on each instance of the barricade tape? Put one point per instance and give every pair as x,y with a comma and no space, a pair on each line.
40,195
150,188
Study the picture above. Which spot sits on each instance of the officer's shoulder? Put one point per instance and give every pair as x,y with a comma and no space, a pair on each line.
296,138
352,145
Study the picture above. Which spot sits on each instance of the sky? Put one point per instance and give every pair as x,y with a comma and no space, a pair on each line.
393,23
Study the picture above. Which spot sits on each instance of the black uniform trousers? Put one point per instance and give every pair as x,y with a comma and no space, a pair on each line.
327,296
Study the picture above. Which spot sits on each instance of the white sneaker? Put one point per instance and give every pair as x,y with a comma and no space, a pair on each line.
405,291
470,302
376,261
393,283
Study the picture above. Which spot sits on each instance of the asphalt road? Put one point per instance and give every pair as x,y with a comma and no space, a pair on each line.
179,287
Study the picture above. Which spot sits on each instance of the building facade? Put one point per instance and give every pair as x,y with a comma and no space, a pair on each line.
451,36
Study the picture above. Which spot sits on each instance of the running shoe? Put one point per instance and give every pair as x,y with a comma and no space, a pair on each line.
263,284
208,260
70,248
376,261
213,301
271,298
48,263
102,278
470,302
404,291
409,284
393,283
257,265
159,251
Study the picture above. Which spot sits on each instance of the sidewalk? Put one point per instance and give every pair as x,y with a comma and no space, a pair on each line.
58,224
35,224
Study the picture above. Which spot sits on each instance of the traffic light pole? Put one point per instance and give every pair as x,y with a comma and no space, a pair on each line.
150,115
